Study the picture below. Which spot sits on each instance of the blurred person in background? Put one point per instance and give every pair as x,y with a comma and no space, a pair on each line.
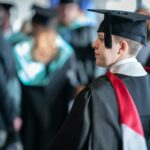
6,23
11,84
43,62
26,27
144,55
78,30
9,123
13,37
83,4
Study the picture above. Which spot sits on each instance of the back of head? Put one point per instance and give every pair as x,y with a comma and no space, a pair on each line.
43,16
6,6
5,14
69,10
145,11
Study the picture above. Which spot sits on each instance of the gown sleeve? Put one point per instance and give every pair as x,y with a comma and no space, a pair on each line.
5,102
75,131
93,123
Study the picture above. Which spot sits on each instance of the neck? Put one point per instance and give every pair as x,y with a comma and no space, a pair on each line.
129,66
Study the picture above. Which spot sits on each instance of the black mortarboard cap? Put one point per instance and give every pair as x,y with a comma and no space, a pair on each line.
43,15
69,1
6,6
129,25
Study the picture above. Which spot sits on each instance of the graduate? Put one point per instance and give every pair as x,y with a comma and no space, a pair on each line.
11,96
13,37
10,121
6,13
112,113
43,61
78,30
144,54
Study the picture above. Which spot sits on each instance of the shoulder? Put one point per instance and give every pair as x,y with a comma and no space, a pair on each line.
103,93
17,37
99,87
63,45
101,97
100,83
23,47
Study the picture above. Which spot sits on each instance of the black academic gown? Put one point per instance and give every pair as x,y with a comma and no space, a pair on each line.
144,55
93,123
7,113
44,109
81,39
8,70
148,62
7,109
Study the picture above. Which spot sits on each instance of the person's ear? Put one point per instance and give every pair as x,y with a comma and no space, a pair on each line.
123,47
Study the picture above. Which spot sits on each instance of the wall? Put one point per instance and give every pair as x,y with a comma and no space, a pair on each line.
23,12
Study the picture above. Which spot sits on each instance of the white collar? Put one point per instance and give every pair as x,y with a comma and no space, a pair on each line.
129,66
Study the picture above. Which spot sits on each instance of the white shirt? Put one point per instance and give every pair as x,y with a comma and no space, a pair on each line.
129,66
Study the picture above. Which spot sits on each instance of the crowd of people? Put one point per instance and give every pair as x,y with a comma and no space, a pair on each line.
53,91
45,68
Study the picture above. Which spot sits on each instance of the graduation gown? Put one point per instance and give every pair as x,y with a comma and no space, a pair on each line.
79,34
144,55
44,108
9,92
8,64
94,120
45,94
6,109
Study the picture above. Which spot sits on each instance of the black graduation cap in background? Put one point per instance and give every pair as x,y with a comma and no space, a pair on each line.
69,1
7,6
43,15
129,25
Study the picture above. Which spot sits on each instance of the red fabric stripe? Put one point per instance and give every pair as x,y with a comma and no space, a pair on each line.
147,69
127,109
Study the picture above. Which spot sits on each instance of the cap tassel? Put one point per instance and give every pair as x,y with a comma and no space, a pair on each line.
108,31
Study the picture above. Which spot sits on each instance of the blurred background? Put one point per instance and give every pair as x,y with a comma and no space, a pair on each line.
22,12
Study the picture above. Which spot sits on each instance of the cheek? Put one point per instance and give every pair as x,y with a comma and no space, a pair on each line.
112,57
106,58
102,59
